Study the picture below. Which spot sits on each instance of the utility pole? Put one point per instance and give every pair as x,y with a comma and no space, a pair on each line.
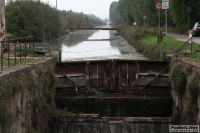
56,4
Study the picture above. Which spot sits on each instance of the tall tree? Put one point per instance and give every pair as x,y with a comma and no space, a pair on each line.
28,17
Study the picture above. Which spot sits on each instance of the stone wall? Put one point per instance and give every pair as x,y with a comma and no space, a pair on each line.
116,125
186,97
24,96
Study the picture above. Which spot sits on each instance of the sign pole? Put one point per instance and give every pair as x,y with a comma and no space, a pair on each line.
188,9
159,19
188,20
166,20
165,5
158,6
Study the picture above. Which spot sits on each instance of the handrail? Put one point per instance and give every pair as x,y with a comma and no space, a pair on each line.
183,45
8,41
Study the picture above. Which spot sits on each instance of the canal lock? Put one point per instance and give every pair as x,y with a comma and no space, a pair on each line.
115,104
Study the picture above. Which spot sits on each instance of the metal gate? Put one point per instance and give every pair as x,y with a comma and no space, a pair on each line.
113,75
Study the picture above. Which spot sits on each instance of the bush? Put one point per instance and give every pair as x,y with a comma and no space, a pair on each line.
37,19
178,78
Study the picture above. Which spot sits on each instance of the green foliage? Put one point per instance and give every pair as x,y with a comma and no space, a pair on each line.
178,8
114,13
193,88
178,78
79,20
93,91
39,80
33,18
130,11
31,130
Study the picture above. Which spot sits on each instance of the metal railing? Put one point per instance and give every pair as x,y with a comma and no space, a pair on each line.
18,47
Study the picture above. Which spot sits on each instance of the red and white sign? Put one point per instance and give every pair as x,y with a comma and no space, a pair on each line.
158,5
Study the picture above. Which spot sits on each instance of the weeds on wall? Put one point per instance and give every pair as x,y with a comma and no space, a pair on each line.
193,88
178,78
39,80
187,85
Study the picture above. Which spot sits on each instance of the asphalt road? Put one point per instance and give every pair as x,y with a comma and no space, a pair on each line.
184,38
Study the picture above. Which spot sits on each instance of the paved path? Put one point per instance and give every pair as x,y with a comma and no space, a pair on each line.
184,38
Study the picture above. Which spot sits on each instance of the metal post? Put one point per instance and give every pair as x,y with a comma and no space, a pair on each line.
8,46
25,49
1,56
188,20
15,54
97,75
33,46
60,55
159,19
56,4
191,48
166,20
20,51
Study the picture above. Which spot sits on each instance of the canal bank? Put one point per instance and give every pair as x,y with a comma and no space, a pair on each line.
27,98
186,92
115,66
40,111
184,70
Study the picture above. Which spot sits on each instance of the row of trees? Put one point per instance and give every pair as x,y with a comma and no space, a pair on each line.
25,18
38,19
78,20
144,11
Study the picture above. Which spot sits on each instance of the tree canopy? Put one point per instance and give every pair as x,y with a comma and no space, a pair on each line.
130,11
40,20
79,20
28,17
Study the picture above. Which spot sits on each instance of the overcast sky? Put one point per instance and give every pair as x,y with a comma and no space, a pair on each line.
99,8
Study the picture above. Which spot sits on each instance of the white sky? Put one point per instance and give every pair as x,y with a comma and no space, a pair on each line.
99,8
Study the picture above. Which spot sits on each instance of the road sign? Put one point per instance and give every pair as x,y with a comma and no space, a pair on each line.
158,5
165,4
188,9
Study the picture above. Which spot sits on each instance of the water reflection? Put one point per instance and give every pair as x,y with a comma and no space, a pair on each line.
91,44
90,49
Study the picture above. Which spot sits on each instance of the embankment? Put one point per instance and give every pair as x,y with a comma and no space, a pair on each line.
27,98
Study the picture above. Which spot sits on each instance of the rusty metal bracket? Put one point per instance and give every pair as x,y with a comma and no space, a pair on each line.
154,78
70,79
183,46
166,67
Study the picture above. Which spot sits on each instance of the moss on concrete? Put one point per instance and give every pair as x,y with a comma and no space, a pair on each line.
34,82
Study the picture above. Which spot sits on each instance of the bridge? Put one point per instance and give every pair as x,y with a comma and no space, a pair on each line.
91,28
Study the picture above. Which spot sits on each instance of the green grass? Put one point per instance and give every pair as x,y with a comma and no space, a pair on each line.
170,45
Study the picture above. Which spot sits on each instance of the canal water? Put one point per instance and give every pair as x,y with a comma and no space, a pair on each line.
97,44
101,45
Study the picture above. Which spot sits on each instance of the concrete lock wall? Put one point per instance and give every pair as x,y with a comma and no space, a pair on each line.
20,93
186,104
115,125
2,22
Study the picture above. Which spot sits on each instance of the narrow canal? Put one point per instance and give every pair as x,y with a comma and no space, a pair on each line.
97,44
100,45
